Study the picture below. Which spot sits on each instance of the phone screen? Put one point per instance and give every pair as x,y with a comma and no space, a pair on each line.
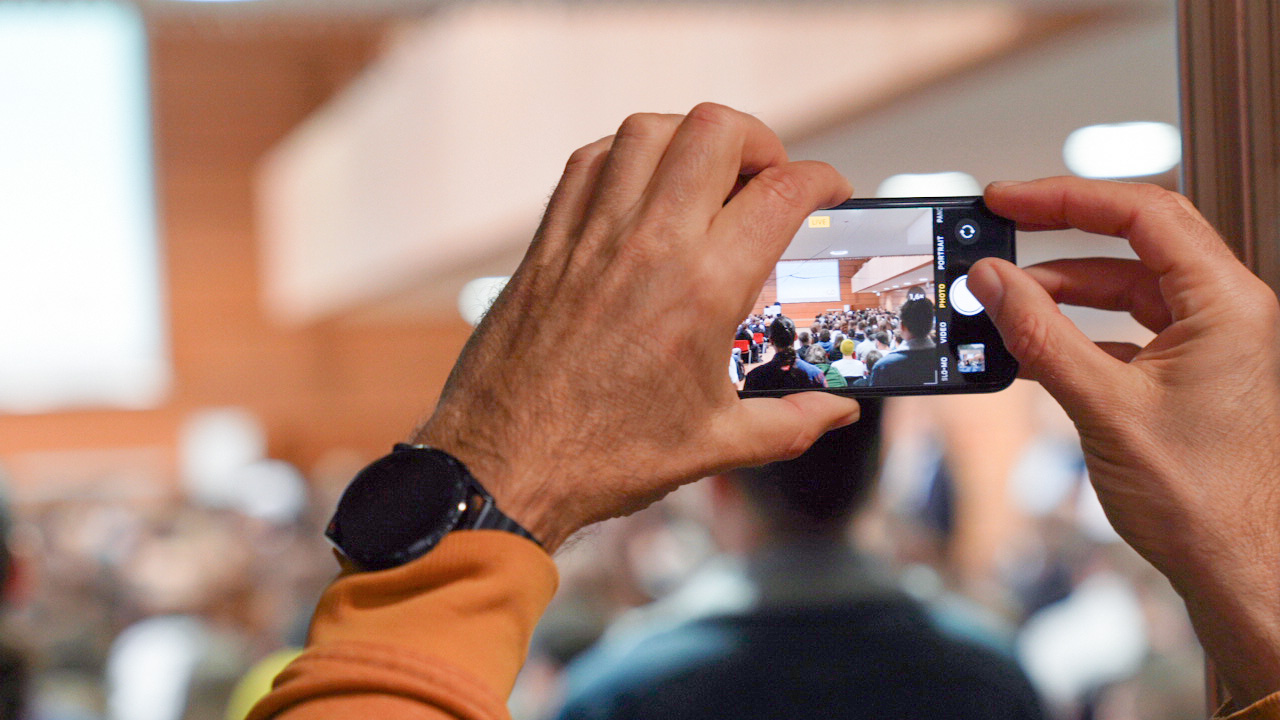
871,298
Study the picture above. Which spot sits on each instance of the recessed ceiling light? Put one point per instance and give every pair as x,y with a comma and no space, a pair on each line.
1119,150
477,296
942,184
839,252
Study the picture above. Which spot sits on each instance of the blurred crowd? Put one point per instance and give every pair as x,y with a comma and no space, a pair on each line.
157,609
839,349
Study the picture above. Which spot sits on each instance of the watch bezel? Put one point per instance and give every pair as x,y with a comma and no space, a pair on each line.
368,520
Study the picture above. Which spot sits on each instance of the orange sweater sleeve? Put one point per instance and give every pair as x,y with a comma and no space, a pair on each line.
1268,708
441,637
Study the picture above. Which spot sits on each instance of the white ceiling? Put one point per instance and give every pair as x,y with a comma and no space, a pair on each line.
1003,119
861,233
1008,122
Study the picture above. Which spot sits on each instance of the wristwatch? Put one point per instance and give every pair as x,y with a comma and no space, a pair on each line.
402,505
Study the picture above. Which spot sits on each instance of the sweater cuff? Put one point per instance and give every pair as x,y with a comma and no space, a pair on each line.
1268,708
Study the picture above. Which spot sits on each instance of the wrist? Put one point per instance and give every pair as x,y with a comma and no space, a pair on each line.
1238,625
520,490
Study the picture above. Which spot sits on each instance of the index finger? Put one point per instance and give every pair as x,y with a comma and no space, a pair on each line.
713,146
1165,230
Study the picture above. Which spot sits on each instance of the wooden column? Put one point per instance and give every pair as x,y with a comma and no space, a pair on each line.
1230,83
1229,57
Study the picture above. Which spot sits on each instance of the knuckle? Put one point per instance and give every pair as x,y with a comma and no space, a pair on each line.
712,114
800,442
1155,199
641,125
780,186
584,157
1263,310
1030,340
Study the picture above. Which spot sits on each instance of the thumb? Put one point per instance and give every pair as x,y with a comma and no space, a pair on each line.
763,430
1048,346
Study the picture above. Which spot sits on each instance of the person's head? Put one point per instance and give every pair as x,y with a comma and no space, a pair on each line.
804,337
872,357
782,332
882,339
846,348
815,355
917,318
825,336
816,494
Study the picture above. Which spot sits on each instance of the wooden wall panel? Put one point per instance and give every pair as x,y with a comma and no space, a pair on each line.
222,97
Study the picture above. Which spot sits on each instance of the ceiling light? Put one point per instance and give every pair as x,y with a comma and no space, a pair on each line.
478,295
839,252
942,184
1120,150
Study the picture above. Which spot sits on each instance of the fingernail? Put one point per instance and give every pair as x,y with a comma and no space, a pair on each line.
1002,184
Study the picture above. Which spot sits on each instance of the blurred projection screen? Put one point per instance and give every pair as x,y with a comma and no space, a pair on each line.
808,281
80,312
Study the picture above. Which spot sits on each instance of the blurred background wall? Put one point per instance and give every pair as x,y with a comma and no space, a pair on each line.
329,176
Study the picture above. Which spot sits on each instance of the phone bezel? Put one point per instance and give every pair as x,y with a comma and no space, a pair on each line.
996,239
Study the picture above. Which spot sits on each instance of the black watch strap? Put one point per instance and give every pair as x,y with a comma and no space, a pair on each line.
482,511
483,514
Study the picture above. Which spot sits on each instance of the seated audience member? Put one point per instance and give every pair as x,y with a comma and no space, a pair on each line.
835,353
784,371
800,624
865,344
745,333
915,362
873,357
849,366
880,342
824,339
818,359
804,341
442,630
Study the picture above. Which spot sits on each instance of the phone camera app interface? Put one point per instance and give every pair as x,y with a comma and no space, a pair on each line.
967,232
854,301
973,358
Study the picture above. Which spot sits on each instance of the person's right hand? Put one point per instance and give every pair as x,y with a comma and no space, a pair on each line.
1181,437
596,383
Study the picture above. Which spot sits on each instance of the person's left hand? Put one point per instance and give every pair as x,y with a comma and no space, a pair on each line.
596,384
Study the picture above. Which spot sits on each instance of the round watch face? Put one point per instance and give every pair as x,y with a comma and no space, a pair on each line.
399,507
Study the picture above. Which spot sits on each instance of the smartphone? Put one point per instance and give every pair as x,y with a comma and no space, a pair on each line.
891,277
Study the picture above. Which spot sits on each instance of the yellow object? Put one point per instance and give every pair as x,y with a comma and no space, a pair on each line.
257,682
